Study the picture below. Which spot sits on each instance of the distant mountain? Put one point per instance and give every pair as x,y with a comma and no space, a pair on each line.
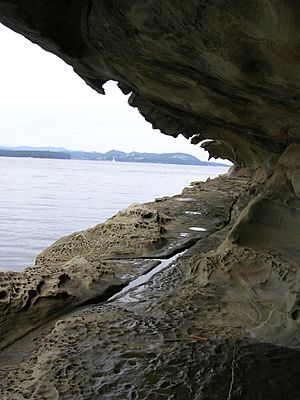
34,154
116,154
85,155
112,155
164,158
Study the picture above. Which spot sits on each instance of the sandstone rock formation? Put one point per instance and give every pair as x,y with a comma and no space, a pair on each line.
210,70
224,320
78,269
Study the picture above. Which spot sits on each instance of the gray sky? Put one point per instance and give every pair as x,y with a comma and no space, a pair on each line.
44,103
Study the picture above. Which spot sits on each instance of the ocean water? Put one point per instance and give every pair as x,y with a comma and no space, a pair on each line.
42,200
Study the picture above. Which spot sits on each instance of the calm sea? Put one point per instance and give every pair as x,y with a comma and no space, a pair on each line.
42,200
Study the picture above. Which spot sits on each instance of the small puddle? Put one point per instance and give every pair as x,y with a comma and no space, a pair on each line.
193,212
187,199
141,280
197,228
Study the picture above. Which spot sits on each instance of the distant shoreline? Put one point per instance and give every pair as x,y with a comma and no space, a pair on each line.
35,154
112,155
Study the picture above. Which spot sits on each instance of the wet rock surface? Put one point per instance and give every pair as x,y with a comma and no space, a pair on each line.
214,323
92,265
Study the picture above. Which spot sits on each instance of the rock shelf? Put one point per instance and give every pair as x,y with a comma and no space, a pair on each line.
222,320
205,318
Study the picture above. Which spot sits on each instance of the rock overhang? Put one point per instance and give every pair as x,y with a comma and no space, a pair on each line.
221,72
227,72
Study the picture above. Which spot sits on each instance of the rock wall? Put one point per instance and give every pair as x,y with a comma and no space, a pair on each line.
220,321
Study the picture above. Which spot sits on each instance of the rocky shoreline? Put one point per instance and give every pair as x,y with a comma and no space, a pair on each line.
222,320
197,329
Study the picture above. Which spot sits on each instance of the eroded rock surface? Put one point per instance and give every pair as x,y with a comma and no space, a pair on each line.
74,270
222,322
91,265
136,230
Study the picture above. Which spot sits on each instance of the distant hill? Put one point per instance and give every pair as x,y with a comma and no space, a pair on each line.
164,158
112,155
134,156
34,154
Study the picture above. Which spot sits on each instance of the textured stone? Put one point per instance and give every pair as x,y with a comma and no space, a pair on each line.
136,230
223,321
90,266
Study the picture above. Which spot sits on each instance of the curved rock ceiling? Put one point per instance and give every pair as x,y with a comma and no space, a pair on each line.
216,70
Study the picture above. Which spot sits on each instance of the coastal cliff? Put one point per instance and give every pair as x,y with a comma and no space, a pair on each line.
221,319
